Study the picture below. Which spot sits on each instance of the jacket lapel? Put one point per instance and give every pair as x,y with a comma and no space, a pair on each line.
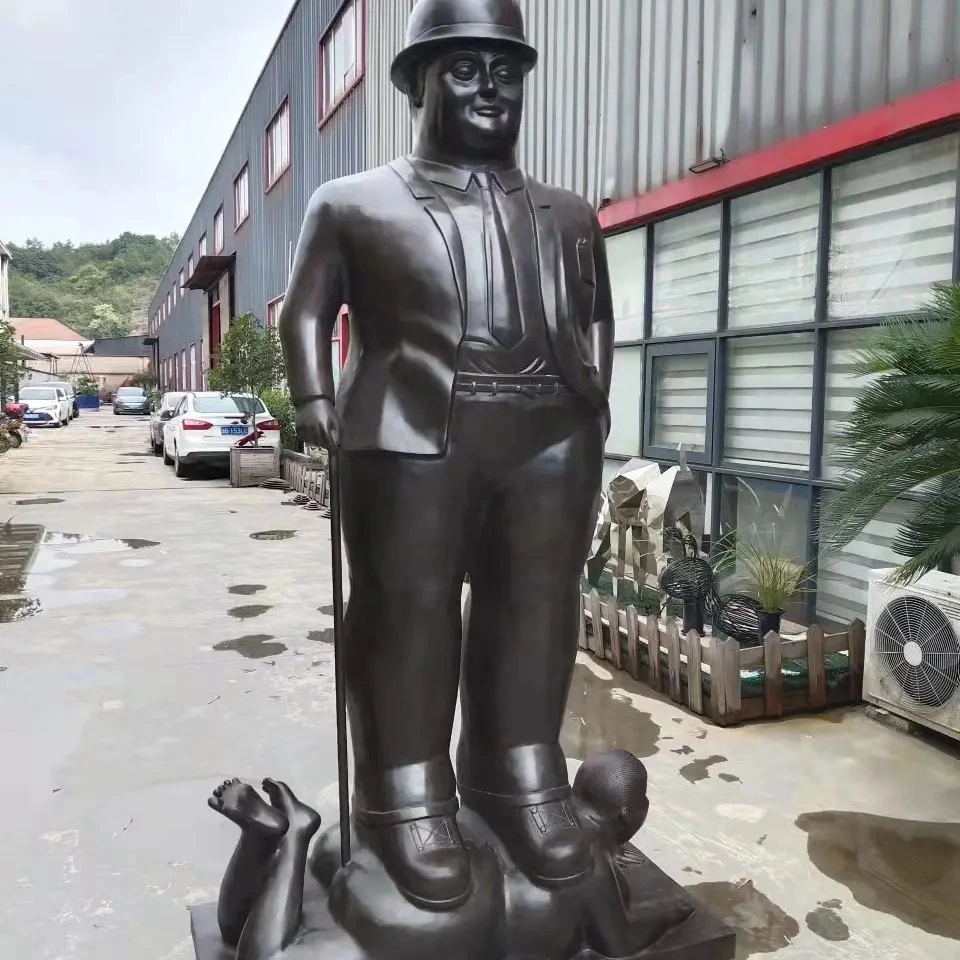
440,214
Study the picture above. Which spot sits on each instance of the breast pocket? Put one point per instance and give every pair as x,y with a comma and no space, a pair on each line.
585,261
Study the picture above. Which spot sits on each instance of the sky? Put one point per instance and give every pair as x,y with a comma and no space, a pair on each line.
114,113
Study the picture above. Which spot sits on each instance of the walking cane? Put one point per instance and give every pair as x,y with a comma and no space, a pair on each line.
343,771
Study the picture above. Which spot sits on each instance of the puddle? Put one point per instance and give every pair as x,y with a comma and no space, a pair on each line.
321,636
730,778
698,770
597,720
327,610
827,923
246,589
761,926
37,501
683,751
87,544
256,646
274,535
909,869
249,612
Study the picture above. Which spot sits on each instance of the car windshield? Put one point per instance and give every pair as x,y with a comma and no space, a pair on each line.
65,387
226,405
131,392
36,393
170,400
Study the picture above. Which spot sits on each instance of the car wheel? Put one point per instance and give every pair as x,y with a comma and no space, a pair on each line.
167,459
179,467
157,448
58,425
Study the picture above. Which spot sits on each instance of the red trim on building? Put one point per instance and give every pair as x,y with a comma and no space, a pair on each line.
939,105
270,184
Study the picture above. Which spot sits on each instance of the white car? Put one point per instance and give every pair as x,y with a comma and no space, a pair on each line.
204,426
159,418
46,406
71,391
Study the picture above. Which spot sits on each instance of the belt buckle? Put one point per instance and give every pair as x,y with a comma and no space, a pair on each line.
530,390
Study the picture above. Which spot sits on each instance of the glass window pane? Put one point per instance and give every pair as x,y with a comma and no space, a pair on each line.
892,229
842,387
626,391
843,576
686,273
627,259
769,401
768,514
773,255
680,401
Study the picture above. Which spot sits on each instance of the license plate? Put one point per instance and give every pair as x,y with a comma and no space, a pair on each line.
31,416
237,431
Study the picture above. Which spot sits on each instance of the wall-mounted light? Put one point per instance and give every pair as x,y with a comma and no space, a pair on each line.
710,163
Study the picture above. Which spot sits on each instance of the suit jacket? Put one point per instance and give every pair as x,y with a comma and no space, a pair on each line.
385,243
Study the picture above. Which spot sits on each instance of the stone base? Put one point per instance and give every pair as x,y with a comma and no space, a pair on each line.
504,909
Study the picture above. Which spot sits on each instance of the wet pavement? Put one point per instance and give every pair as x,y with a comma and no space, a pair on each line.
168,635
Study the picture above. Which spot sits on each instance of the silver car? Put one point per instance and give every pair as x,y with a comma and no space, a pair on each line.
159,417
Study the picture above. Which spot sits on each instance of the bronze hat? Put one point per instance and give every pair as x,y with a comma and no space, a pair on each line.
435,22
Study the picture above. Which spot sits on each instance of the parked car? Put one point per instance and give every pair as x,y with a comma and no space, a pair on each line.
204,426
168,403
131,400
71,391
46,406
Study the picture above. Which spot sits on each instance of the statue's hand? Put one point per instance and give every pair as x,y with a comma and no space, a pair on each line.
318,423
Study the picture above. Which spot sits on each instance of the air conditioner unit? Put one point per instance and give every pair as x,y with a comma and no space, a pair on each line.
912,663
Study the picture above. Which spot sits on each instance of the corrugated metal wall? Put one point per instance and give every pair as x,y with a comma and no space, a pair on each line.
630,93
263,243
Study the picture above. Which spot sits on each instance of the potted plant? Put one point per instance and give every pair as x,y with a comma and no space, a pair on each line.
771,576
249,364
88,393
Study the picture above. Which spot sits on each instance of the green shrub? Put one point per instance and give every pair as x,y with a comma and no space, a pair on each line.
278,402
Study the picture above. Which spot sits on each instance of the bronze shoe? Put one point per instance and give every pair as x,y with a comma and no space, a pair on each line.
425,858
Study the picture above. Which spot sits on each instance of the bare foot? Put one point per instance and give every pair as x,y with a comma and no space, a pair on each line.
302,819
242,804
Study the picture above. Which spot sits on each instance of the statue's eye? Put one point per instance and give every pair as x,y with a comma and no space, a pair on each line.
507,72
464,69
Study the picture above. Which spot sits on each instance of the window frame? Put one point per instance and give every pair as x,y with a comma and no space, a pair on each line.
218,232
191,266
271,304
202,246
242,173
815,478
269,183
324,114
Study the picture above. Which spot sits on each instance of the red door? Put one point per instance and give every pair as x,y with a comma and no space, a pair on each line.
214,332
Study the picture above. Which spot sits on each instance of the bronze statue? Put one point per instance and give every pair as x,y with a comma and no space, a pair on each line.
469,426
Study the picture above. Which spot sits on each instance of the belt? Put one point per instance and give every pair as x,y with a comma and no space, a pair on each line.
526,386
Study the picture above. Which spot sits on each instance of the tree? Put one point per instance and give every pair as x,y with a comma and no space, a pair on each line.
905,431
250,361
10,361
106,323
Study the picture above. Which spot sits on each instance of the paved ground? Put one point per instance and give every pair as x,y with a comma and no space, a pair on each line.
163,647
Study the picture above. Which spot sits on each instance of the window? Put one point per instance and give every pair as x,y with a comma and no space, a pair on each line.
194,383
183,368
773,255
169,303
218,231
686,273
892,229
202,247
226,405
190,266
339,343
175,290
241,197
627,259
341,58
626,392
677,407
769,401
183,282
273,311
277,154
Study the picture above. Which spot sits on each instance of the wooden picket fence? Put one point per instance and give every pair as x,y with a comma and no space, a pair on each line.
306,475
704,673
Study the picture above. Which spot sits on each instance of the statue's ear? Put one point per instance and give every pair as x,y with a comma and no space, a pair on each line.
416,85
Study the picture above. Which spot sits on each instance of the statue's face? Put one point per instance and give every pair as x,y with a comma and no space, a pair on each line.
473,100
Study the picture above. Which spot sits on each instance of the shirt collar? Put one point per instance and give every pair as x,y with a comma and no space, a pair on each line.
509,180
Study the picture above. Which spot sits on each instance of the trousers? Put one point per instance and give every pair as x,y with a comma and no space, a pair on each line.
511,503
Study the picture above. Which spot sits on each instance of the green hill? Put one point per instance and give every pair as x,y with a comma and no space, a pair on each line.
99,289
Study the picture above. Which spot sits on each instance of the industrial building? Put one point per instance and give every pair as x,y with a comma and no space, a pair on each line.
775,176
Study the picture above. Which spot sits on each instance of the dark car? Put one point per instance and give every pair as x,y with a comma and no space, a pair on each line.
131,400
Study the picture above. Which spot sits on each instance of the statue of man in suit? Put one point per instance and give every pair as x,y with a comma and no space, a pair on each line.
470,421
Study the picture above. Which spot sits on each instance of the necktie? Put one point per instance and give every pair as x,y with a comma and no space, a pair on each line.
503,317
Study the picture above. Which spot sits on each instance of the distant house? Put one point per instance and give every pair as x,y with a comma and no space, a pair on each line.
111,362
